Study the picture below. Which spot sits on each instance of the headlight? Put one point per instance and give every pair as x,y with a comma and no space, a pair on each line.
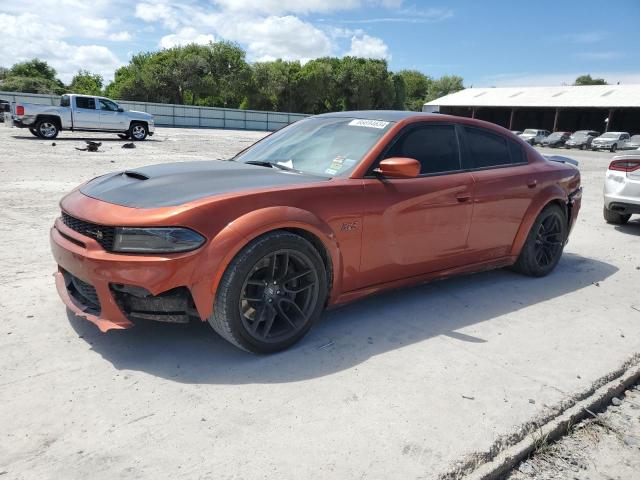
156,240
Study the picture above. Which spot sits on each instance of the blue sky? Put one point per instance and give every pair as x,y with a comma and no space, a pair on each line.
487,42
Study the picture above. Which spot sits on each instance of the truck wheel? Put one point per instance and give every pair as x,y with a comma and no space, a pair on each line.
47,129
138,131
614,147
34,132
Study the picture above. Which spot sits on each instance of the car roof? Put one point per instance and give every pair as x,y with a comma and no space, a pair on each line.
384,115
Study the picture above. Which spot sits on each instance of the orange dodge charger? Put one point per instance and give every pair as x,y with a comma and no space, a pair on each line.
325,211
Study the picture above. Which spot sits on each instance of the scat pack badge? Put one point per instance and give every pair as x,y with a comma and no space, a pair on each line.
349,226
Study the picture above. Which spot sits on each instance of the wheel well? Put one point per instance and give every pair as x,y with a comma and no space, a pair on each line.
320,247
52,118
133,122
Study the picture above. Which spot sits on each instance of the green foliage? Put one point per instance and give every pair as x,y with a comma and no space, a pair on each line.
33,76
87,83
417,88
444,86
588,80
218,75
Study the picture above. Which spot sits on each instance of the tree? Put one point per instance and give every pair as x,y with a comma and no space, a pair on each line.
588,80
86,83
444,86
417,88
33,76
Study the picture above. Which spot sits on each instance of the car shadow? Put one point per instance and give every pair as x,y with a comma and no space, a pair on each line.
82,139
632,227
345,336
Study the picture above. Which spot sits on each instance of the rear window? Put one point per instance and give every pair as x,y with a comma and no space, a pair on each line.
487,149
86,102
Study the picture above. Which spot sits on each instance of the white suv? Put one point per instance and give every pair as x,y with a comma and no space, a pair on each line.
622,189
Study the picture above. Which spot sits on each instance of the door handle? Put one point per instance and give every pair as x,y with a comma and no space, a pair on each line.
463,197
532,183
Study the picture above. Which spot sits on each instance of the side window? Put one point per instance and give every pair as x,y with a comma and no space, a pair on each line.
86,102
107,105
434,146
486,149
517,154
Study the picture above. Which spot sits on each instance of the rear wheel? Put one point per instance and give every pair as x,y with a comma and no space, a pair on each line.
138,131
271,293
615,218
34,132
545,242
47,129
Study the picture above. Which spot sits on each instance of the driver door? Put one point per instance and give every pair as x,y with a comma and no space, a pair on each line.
110,117
418,225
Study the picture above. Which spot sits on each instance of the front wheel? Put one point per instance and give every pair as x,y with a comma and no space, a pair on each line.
47,129
614,147
270,294
138,131
615,218
543,248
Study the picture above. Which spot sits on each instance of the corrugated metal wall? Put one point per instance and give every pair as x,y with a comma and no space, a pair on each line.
170,115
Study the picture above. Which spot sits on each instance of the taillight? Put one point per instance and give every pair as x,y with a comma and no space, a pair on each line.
625,165
19,110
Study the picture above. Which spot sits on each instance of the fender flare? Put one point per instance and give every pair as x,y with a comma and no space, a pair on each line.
240,232
552,193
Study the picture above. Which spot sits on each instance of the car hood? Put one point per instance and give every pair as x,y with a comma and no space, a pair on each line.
138,113
174,184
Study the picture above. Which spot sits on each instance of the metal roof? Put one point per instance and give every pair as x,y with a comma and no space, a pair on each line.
607,96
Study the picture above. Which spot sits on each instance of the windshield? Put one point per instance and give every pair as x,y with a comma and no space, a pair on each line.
328,146
555,135
609,135
530,131
580,134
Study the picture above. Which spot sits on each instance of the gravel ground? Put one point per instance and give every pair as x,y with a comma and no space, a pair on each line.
604,447
419,383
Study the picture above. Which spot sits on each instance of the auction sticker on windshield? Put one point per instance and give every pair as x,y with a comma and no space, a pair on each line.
368,123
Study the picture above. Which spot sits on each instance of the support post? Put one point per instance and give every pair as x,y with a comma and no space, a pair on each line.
473,112
609,120
511,117
555,120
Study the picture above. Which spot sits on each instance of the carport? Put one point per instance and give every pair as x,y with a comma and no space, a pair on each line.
570,108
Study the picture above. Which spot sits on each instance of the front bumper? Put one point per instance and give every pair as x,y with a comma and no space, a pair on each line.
109,277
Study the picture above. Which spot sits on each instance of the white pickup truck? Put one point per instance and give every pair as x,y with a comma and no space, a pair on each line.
82,113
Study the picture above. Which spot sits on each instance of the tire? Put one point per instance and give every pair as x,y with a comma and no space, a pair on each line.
263,307
34,132
614,147
542,251
615,218
123,136
138,131
47,129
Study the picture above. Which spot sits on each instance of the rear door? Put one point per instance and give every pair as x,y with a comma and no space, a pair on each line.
85,113
110,117
504,189
417,225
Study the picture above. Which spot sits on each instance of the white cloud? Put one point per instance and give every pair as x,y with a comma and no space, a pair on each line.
122,36
185,36
368,47
275,7
65,57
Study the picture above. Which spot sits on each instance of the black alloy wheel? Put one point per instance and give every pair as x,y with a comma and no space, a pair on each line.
271,293
279,296
549,240
543,248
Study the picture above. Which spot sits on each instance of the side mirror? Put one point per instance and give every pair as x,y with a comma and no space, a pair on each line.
120,109
398,167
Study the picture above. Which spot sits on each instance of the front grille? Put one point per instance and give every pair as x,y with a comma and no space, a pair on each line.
82,292
102,234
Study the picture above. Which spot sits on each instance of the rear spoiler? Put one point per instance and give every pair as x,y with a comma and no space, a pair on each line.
561,159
